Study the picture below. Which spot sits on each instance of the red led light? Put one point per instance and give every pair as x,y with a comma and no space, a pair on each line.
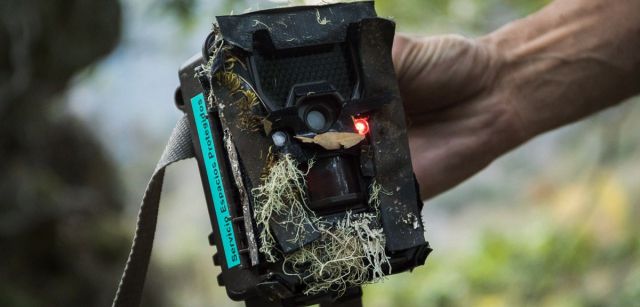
361,125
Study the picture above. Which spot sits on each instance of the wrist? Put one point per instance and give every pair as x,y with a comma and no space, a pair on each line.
510,128
565,62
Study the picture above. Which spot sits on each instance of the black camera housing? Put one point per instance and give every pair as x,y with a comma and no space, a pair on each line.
314,69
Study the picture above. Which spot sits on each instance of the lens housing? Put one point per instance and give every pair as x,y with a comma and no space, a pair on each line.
319,112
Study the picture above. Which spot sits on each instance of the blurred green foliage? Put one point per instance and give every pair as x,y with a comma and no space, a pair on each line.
554,268
60,232
183,9
459,16
565,230
558,230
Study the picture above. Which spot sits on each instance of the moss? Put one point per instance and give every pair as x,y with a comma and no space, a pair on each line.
247,118
230,80
248,101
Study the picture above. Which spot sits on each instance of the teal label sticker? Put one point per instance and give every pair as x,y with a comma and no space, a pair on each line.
214,177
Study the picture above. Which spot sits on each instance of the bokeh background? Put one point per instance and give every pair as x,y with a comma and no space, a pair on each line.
86,105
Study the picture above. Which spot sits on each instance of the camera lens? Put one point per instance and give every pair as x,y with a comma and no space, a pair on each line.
318,112
316,120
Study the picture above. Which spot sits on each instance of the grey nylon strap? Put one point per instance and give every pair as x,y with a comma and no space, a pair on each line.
129,291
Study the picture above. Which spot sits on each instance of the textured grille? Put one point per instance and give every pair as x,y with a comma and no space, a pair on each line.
280,71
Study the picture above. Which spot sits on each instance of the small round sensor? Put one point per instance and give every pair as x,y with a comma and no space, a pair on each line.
279,138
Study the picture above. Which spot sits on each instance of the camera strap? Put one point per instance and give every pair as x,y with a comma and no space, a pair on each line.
129,291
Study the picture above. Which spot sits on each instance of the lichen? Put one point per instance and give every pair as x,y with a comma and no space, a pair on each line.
281,193
374,194
324,21
349,252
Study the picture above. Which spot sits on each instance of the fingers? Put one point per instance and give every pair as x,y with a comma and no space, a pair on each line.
400,44
447,152
435,72
454,144
457,121
442,168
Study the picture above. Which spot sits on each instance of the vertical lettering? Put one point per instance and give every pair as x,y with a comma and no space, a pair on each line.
215,188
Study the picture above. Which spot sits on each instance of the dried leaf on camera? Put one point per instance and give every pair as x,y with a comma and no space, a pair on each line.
333,140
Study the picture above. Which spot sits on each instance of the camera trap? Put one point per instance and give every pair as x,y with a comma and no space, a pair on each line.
300,137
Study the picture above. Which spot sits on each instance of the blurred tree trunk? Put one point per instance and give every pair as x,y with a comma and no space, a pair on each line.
61,241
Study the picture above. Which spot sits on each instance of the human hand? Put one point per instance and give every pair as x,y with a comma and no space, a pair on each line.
459,117
469,101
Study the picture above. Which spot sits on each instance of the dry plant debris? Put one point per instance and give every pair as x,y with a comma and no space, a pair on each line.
333,140
349,252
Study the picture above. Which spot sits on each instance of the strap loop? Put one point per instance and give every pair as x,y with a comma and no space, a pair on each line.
131,285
